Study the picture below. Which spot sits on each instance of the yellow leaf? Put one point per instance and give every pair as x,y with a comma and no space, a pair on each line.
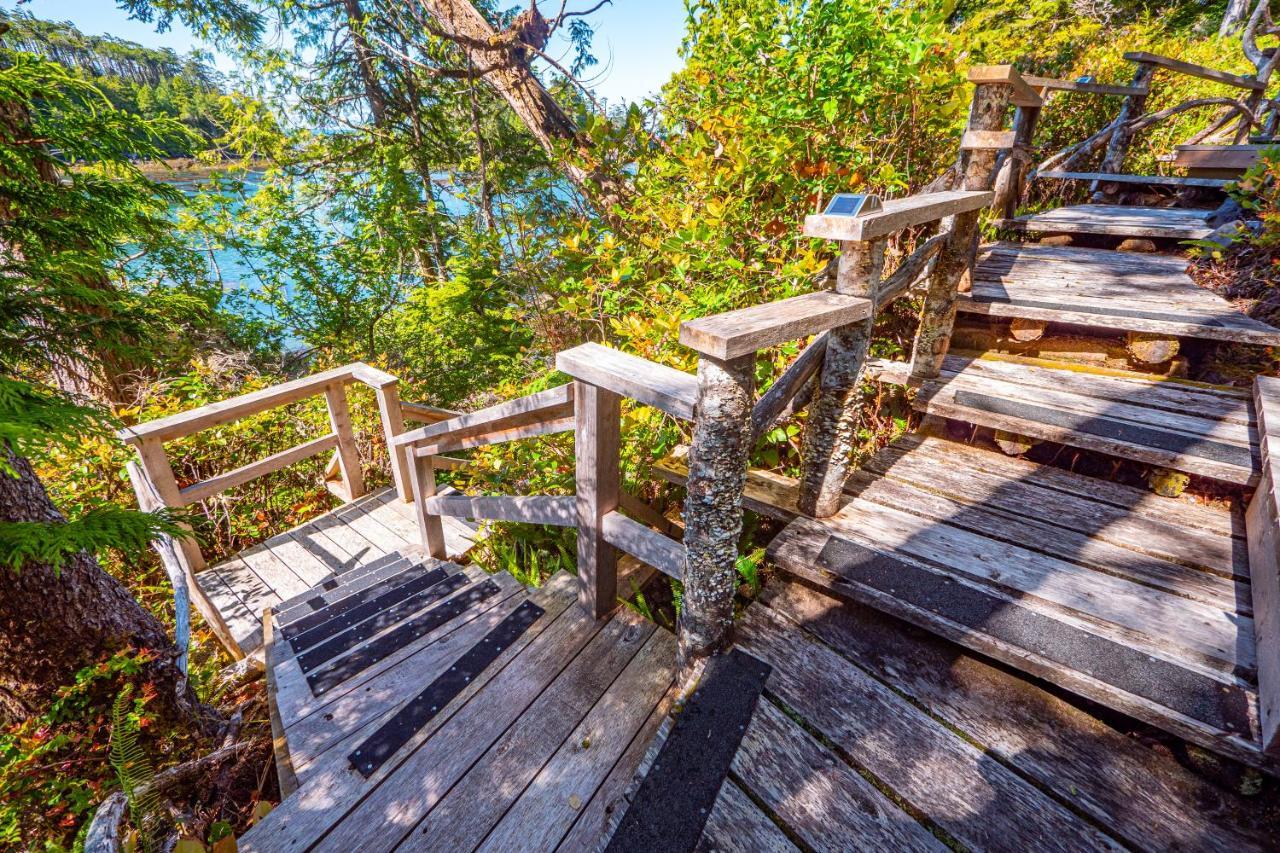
261,809
189,845
227,844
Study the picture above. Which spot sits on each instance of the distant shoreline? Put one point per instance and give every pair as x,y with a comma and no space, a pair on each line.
190,167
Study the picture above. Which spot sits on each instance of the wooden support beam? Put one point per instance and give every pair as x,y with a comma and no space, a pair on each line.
1011,176
744,332
649,546
713,507
626,375
895,215
833,413
529,509
348,454
422,482
1075,86
1192,70
598,483
774,401
239,476
449,443
937,319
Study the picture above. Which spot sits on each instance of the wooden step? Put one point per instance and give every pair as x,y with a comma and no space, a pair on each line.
1105,289
534,748
1116,221
1121,617
1200,429
1155,180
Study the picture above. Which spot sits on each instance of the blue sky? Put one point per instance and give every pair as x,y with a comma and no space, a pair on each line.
636,40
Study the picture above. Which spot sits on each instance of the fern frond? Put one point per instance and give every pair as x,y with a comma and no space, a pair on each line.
133,768
107,526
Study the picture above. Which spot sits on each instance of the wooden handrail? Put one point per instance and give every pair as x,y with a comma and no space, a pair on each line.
1192,70
896,215
534,408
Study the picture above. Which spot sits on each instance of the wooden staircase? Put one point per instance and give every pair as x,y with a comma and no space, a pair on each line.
1158,607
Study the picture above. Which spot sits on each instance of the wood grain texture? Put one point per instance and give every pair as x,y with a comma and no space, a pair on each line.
747,330
657,385
654,548
1116,220
552,404
529,509
1155,180
1193,70
1075,86
896,214
1263,524
597,487
1020,92
1138,791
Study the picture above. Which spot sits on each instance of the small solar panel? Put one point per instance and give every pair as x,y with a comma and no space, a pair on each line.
851,204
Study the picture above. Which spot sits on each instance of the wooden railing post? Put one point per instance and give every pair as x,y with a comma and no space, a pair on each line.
833,413
348,454
422,483
1130,108
995,86
597,428
713,507
392,425
154,463
1024,129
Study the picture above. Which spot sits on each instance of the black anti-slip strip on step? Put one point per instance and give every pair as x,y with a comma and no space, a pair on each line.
328,677
357,633
398,730
1100,426
1108,311
307,631
1197,696
671,807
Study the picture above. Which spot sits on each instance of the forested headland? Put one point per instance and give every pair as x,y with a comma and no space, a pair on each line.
439,192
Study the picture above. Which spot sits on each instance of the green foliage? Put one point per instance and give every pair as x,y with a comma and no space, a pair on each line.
132,766
99,529
1259,190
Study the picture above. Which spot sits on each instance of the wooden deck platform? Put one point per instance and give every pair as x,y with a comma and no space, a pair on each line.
352,538
1140,603
500,719
1200,429
1105,289
1116,221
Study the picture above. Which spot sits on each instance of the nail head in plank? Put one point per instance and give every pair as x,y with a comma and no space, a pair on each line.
742,332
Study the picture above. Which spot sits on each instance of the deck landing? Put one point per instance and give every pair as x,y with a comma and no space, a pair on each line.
353,539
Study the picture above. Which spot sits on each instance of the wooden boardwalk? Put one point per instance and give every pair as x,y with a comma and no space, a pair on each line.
1098,288
352,538
1113,220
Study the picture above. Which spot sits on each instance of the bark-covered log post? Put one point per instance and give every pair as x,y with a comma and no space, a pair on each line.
995,87
1130,108
713,507
833,413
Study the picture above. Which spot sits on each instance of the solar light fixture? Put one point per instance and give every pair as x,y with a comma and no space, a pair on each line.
852,204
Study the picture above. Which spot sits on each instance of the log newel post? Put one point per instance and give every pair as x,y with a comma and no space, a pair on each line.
155,466
348,454
1130,108
422,483
833,412
713,507
977,167
597,429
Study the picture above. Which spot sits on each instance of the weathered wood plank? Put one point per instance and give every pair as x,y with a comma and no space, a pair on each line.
748,330
919,759
541,817
449,443
462,819
895,215
204,489
597,487
654,548
1076,86
1141,793
552,404
1193,70
1159,180
820,798
1021,94
626,375
530,509
1116,220
1262,521
736,825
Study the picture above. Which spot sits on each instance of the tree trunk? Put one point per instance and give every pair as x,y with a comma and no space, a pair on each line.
501,60
56,622
1233,17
